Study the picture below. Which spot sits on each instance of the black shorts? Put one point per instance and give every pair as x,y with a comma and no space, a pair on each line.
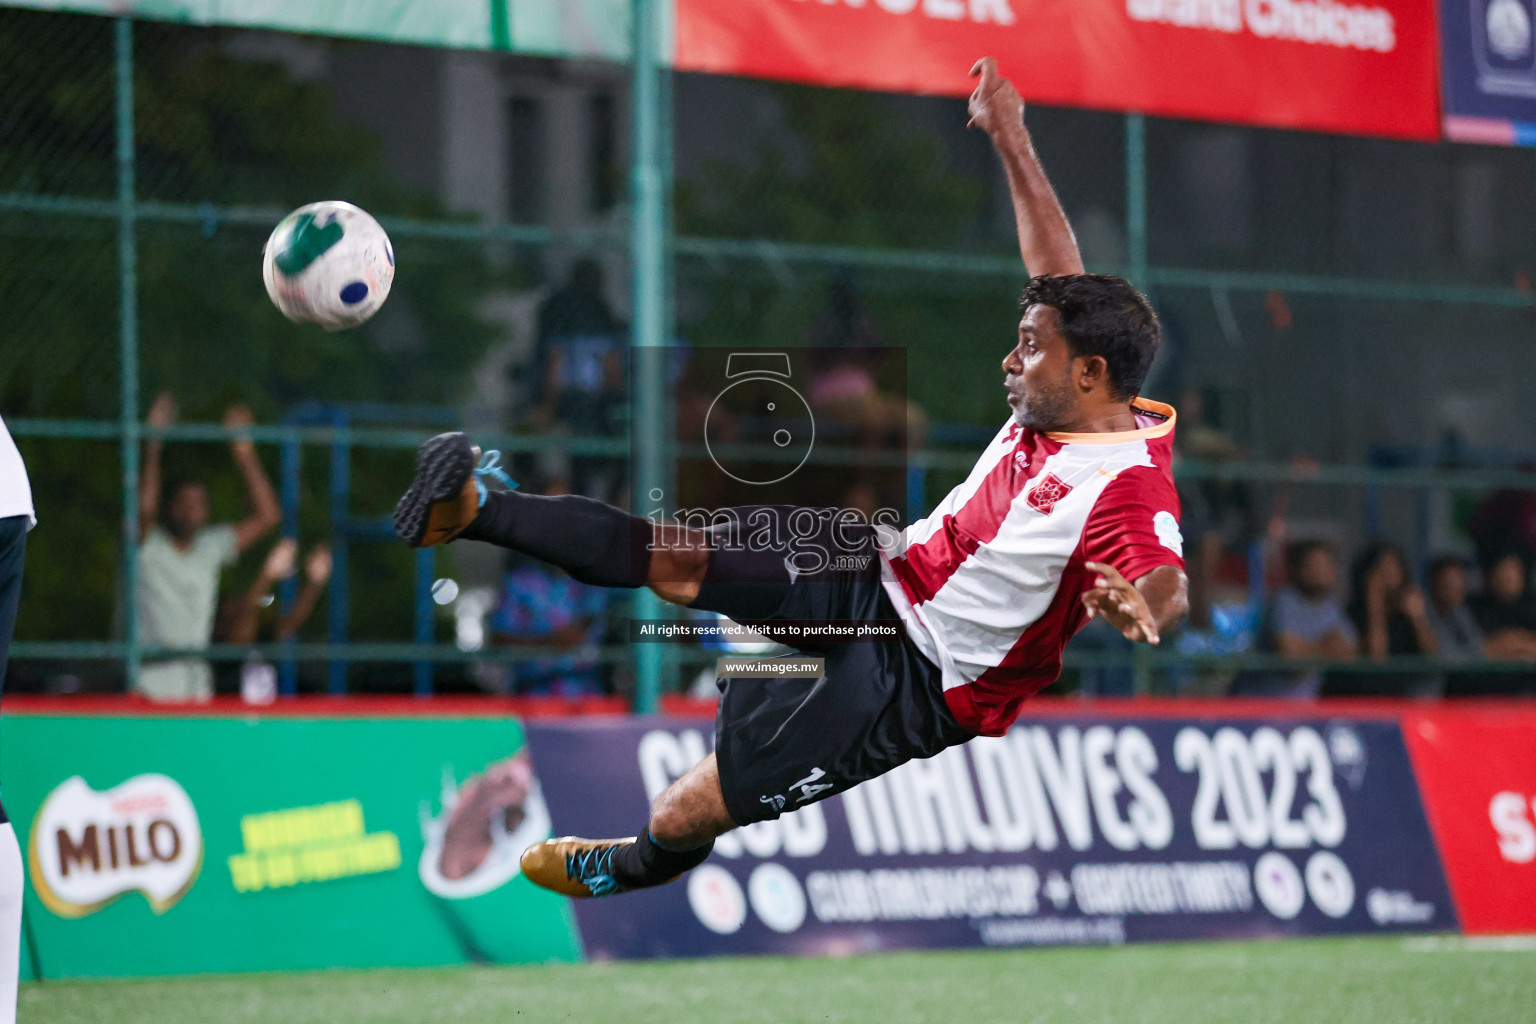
784,743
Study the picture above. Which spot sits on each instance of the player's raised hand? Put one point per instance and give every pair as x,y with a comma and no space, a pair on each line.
995,105
1120,603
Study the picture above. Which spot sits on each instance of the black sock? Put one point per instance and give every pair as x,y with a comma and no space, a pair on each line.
646,863
594,542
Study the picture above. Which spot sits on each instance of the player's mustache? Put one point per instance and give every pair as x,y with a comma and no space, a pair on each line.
1014,384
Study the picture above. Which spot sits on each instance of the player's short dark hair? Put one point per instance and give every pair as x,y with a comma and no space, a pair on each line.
1102,315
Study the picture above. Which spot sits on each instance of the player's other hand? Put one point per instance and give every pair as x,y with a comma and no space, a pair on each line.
995,105
1120,603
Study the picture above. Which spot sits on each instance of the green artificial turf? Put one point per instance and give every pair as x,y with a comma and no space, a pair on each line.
1360,981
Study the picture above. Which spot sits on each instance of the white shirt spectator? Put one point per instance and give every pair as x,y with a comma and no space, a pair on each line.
178,594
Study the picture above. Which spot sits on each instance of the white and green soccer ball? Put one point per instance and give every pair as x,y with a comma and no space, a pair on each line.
330,264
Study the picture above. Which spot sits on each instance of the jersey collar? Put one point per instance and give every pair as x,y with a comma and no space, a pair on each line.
1122,436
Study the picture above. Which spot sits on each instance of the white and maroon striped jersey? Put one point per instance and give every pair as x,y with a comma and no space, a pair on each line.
989,585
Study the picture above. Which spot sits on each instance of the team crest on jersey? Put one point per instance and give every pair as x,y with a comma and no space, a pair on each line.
1047,493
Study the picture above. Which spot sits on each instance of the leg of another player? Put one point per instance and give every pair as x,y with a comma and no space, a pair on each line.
11,885
13,548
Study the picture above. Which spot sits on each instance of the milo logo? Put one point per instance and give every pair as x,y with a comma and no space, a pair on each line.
89,848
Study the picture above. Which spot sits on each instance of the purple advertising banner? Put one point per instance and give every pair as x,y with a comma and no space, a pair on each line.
1488,71
1067,830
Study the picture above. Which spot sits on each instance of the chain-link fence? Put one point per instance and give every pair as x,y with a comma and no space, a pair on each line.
1347,321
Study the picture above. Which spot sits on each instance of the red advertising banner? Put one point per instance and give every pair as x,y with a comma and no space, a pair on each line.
1365,67
1477,775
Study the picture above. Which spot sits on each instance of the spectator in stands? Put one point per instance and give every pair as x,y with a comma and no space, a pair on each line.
579,356
1504,523
181,555
843,385
541,606
1457,634
579,386
1506,613
240,620
1504,610
1389,614
1216,514
1306,620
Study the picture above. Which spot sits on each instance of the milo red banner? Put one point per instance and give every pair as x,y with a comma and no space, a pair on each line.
1355,66
1067,830
1477,771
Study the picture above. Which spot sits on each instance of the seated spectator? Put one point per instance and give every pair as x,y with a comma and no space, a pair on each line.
1305,620
1388,612
1504,610
181,556
240,620
1506,613
541,606
1457,635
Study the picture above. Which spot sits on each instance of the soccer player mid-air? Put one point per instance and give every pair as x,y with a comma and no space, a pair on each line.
1069,513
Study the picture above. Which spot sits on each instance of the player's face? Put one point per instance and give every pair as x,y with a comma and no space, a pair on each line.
1038,372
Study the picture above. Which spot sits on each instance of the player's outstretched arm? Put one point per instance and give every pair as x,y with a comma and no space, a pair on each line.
1045,238
1140,610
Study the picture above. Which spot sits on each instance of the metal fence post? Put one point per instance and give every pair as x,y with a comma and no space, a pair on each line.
288,590
426,619
1136,200
649,189
128,338
341,516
